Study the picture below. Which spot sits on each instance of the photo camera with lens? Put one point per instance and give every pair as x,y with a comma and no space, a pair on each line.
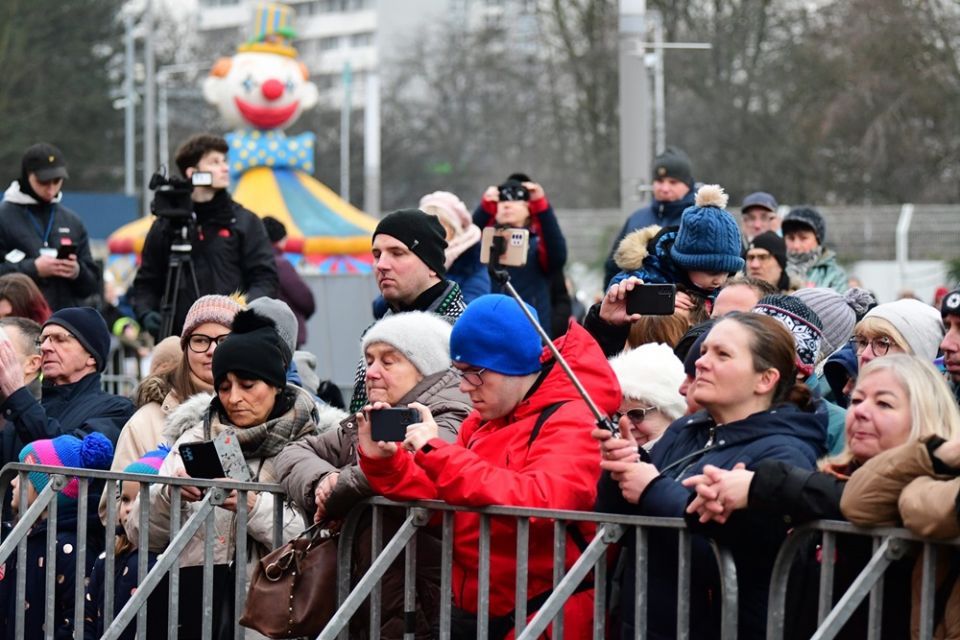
171,197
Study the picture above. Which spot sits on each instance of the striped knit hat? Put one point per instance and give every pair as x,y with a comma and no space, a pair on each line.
95,451
149,463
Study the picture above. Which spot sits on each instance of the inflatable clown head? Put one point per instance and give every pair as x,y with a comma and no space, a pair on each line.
264,86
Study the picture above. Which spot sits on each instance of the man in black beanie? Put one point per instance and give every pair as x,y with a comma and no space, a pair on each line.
408,261
672,193
766,259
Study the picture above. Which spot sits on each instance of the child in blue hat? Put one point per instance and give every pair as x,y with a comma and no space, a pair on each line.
698,256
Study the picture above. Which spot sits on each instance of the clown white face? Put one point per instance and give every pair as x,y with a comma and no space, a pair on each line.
260,90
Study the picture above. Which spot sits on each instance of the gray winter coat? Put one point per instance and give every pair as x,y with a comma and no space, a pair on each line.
305,462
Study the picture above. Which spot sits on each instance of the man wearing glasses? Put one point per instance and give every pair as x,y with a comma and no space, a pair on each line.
527,443
73,344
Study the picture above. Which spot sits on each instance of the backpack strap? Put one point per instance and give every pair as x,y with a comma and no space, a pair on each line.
541,419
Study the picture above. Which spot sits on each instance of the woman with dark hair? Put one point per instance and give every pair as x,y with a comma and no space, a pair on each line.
753,410
20,296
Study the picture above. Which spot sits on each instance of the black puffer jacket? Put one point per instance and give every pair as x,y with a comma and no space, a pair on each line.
231,252
23,225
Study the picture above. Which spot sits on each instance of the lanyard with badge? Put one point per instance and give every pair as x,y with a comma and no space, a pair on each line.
46,249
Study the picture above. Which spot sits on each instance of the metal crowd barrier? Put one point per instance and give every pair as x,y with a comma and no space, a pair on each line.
610,529
121,373
889,545
167,563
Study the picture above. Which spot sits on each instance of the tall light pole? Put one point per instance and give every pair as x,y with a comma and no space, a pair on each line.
129,107
634,105
150,105
345,110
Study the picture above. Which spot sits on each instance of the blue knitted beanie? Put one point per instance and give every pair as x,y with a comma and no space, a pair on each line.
493,333
708,238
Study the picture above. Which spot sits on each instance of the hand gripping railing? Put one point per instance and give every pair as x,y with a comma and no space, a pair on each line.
889,545
167,562
610,529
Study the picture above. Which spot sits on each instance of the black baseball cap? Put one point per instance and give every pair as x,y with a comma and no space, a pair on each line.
759,199
45,161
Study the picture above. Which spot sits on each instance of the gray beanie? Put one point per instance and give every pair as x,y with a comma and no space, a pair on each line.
838,312
423,338
283,318
918,323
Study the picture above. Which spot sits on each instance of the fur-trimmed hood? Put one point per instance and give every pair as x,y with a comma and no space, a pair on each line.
187,415
633,248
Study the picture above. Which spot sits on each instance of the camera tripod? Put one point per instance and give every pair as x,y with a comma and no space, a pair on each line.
180,261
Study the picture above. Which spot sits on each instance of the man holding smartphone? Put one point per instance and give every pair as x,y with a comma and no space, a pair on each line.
230,248
43,239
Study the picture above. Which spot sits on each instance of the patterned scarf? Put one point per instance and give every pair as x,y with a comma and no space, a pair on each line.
799,263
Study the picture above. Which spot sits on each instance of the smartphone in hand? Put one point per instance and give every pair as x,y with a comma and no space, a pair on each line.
652,299
64,251
390,425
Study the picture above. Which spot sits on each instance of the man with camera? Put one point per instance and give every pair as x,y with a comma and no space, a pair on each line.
43,239
526,444
227,245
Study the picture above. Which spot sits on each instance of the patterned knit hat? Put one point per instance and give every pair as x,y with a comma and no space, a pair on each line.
838,313
212,308
801,321
95,451
149,463
709,237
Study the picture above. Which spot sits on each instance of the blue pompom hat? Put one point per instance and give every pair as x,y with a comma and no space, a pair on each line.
708,238
493,333
95,451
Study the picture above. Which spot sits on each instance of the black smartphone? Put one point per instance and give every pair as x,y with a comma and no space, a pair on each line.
64,251
390,425
652,299
201,460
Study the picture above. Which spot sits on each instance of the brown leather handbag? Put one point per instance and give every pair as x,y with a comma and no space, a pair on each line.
293,591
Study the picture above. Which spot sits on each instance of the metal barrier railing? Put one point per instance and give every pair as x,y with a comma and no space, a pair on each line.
889,545
610,529
45,505
122,370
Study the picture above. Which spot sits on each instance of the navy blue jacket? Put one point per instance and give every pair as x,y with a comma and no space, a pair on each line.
664,214
783,433
472,275
547,254
66,564
75,409
124,584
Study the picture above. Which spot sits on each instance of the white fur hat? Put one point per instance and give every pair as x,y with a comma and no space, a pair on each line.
423,338
653,373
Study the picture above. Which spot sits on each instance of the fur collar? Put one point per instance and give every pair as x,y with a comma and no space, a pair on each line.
633,248
186,416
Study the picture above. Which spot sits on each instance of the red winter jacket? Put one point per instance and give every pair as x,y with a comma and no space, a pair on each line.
490,464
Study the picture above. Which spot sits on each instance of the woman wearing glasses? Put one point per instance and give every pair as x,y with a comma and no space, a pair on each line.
408,362
650,377
904,326
208,321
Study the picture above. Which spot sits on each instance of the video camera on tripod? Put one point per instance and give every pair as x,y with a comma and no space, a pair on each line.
172,201
171,198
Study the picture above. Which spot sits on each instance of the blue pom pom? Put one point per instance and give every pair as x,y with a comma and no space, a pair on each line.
96,451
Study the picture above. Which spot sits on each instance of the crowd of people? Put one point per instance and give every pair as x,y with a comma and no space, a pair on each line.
768,394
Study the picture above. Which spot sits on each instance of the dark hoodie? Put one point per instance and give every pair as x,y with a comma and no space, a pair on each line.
783,433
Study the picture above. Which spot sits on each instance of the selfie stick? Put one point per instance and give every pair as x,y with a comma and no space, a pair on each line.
501,277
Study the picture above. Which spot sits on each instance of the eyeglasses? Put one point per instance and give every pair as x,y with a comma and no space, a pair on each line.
57,339
200,343
471,375
636,416
880,346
